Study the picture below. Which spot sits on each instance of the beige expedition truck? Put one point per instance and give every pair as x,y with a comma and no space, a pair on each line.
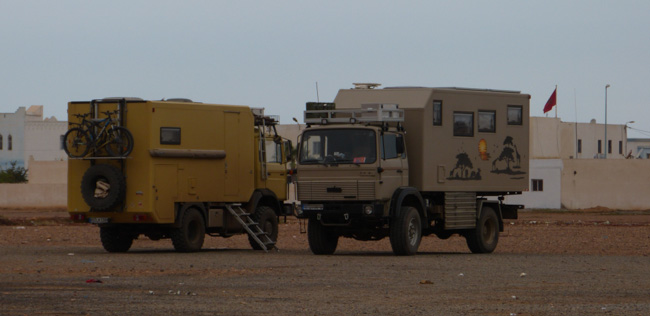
195,169
409,162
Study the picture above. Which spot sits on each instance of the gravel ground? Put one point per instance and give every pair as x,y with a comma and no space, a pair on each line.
583,263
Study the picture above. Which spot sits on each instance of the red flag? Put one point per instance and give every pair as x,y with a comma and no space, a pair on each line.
552,101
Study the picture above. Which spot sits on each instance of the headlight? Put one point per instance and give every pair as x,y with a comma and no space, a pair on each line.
368,209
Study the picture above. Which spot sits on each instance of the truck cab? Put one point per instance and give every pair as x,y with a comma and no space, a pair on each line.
350,166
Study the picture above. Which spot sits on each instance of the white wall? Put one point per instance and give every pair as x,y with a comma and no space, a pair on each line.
615,184
552,138
43,140
550,172
12,124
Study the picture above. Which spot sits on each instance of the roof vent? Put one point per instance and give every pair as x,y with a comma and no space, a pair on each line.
366,85
114,99
179,100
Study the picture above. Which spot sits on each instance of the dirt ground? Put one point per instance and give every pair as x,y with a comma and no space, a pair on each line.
593,262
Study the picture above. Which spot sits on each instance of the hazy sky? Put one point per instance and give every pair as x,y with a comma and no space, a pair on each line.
271,53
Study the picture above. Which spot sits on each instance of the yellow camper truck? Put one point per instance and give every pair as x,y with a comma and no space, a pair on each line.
194,169
409,162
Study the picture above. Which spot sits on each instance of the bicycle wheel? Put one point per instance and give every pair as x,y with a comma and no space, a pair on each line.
120,142
76,142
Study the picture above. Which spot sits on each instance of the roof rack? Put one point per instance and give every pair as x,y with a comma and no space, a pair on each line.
368,113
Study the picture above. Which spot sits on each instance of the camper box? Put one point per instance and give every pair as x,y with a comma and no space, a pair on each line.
458,139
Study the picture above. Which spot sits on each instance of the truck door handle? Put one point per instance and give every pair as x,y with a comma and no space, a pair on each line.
399,171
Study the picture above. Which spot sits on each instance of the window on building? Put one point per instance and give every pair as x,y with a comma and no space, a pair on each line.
537,184
514,115
0,141
579,145
9,142
437,112
463,124
487,121
609,146
62,142
600,146
620,147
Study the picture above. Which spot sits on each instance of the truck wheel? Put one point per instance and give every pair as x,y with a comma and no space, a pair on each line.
268,222
484,238
115,240
406,232
107,174
189,237
321,240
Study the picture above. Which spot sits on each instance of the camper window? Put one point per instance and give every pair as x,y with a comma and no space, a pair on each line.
437,112
514,114
463,124
170,135
487,121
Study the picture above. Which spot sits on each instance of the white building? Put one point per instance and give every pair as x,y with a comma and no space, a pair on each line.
639,147
552,144
25,136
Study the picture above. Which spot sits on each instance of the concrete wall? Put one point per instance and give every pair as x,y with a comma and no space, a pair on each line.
550,172
33,195
42,172
616,184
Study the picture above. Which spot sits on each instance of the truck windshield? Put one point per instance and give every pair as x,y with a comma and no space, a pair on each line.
338,146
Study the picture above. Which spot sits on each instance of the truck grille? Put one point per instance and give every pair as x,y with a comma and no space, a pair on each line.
336,190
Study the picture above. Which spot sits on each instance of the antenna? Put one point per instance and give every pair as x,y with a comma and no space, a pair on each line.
317,98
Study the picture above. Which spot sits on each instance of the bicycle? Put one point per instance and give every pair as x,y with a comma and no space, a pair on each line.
116,140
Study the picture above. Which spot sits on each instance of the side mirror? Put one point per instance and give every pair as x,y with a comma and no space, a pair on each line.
399,144
288,151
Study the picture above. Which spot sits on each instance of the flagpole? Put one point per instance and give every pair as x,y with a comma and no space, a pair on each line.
555,101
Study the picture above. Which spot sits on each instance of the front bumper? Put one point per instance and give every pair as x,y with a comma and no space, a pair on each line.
340,213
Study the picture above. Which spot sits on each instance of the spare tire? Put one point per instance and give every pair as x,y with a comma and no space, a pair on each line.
112,196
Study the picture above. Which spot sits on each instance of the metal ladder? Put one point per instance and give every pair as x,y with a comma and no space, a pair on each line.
252,228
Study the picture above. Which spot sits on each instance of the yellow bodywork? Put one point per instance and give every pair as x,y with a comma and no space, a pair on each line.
216,161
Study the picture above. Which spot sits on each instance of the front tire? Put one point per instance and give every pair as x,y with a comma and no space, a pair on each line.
268,222
190,236
406,232
484,238
115,240
321,239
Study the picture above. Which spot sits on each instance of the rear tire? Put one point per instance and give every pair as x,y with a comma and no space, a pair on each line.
76,143
321,239
120,143
115,240
190,236
268,222
406,232
484,238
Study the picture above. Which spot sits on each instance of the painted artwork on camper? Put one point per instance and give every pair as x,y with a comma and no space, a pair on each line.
464,169
509,161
